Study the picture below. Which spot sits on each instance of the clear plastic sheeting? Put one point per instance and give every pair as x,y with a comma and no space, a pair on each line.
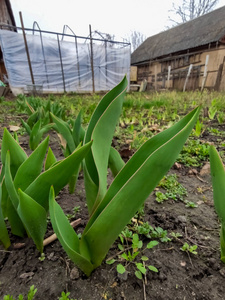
63,66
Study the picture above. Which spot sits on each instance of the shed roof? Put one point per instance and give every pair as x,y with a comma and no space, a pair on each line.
201,31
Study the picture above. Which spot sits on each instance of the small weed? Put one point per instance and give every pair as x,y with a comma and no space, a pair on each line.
198,128
220,117
189,249
215,131
190,204
130,256
174,190
175,235
42,257
30,295
161,234
65,296
212,110
160,197
76,209
145,229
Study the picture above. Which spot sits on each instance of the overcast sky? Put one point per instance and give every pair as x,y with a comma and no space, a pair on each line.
117,17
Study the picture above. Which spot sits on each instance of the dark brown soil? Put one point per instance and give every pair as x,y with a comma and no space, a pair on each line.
181,275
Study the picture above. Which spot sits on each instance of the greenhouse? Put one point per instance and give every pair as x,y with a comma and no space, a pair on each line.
49,62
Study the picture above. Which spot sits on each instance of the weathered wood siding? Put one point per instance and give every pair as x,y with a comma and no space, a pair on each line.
156,72
4,13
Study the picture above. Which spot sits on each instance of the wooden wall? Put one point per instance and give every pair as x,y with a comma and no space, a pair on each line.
4,13
207,69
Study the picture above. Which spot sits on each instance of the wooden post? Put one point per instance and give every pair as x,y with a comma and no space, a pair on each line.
205,72
168,77
27,50
61,63
188,74
92,61
155,77
219,75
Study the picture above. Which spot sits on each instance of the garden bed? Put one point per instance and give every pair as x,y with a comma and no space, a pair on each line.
181,274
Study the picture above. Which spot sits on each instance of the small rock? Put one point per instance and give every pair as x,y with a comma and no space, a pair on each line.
162,277
104,276
183,263
123,277
13,128
182,219
74,274
26,275
177,166
52,256
213,263
222,272
192,172
205,170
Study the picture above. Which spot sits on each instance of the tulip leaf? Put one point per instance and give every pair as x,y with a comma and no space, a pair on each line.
65,131
9,182
50,159
67,236
35,135
77,132
58,176
34,218
101,129
91,189
4,236
222,243
218,182
26,126
12,202
132,186
4,198
116,163
32,167
18,156
32,119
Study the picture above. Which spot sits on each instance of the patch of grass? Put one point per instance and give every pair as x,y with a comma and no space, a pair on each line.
174,190
194,153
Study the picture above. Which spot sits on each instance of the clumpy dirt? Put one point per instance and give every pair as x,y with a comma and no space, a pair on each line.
181,275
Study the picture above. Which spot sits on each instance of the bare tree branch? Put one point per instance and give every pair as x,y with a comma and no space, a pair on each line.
191,9
136,38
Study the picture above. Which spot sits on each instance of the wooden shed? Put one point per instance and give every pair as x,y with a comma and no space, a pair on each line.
186,57
6,17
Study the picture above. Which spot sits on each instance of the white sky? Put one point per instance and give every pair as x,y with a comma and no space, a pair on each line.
117,17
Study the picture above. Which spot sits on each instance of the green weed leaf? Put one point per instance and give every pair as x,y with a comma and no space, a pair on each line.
120,269
138,274
141,268
110,262
154,269
152,244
